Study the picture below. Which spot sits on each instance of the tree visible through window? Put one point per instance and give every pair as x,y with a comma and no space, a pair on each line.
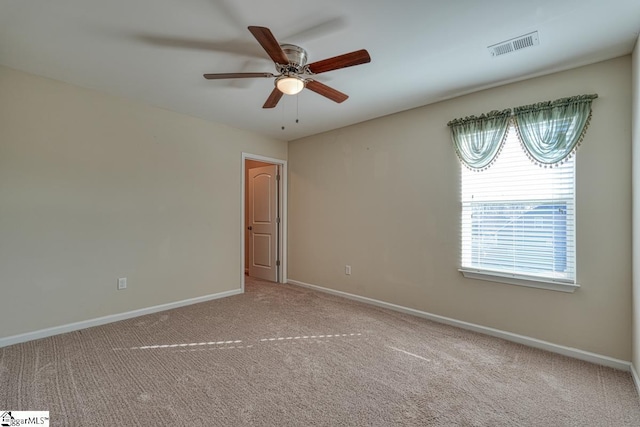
518,219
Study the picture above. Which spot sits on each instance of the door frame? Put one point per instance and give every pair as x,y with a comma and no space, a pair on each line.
282,250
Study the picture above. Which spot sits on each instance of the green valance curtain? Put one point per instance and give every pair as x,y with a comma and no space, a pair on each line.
549,132
478,140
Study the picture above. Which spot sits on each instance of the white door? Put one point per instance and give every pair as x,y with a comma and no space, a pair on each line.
263,222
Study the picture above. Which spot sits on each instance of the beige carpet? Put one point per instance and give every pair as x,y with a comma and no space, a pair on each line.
286,356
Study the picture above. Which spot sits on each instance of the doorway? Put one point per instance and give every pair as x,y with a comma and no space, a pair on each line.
264,204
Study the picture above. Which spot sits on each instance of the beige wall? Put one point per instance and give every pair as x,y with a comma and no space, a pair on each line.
94,187
636,203
383,196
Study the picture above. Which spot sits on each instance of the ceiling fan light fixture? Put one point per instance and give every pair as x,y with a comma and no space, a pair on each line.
289,85
294,74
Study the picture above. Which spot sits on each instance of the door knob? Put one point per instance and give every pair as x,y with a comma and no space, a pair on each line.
250,227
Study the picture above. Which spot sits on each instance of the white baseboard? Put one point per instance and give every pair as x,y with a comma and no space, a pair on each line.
636,379
43,333
520,339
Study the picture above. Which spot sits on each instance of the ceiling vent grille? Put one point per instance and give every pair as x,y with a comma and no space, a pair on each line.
522,42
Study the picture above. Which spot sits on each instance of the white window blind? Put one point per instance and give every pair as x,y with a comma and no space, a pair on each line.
518,219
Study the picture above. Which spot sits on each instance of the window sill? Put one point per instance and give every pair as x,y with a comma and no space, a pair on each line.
510,279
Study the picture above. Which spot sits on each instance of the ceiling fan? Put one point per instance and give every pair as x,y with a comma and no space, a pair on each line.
294,74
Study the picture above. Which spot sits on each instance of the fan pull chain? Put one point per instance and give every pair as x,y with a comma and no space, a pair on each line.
297,112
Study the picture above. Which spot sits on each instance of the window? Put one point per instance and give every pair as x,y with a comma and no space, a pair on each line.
518,220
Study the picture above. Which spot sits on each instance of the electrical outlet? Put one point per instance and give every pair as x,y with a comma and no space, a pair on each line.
122,283
347,270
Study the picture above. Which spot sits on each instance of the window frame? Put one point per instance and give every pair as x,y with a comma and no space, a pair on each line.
547,283
514,279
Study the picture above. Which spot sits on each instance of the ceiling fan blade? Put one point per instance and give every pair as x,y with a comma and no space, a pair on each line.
341,61
273,99
318,30
326,91
234,47
236,75
269,44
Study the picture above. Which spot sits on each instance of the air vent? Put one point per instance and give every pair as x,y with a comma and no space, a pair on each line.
512,45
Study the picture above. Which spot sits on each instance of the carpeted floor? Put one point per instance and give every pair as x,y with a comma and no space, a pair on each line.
280,355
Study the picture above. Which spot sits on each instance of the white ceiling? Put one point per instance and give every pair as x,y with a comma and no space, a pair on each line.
422,51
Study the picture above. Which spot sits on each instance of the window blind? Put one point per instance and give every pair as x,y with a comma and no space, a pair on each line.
519,218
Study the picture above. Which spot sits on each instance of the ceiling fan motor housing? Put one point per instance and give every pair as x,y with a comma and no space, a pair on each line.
297,59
